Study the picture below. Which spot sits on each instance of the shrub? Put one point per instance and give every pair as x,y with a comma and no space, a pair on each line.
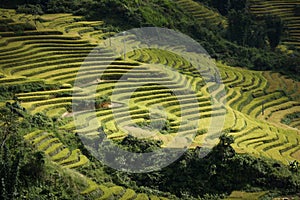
220,172
41,120
297,10
19,164
30,9
9,90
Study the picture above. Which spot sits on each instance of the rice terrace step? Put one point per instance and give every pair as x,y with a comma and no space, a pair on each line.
150,92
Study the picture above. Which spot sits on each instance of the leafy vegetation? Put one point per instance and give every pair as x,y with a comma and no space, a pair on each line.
220,172
247,33
288,118
41,157
25,172
9,91
8,25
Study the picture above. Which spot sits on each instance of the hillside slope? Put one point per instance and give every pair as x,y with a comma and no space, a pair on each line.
56,46
40,46
202,13
53,61
287,10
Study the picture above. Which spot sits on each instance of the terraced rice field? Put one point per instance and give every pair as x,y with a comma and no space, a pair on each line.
253,105
245,196
201,12
247,92
73,159
286,9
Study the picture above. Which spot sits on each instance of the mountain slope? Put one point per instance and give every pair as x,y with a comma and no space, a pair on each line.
39,67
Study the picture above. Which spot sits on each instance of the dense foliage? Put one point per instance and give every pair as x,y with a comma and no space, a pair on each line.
248,41
289,118
25,172
220,172
9,91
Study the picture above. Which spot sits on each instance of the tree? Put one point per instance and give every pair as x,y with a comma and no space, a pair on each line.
9,124
16,158
224,150
9,161
274,30
297,10
238,5
101,101
226,140
239,24
226,6
294,166
9,171
30,9
257,35
222,6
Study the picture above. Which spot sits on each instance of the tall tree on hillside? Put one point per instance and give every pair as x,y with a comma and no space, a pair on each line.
221,5
238,26
237,5
297,10
225,6
274,26
9,161
257,35
9,124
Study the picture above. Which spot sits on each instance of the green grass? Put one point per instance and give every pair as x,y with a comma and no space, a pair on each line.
74,157
42,137
240,195
129,194
56,56
32,135
54,149
117,190
46,144
92,186
152,197
61,155
201,13
82,161
106,193
142,196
